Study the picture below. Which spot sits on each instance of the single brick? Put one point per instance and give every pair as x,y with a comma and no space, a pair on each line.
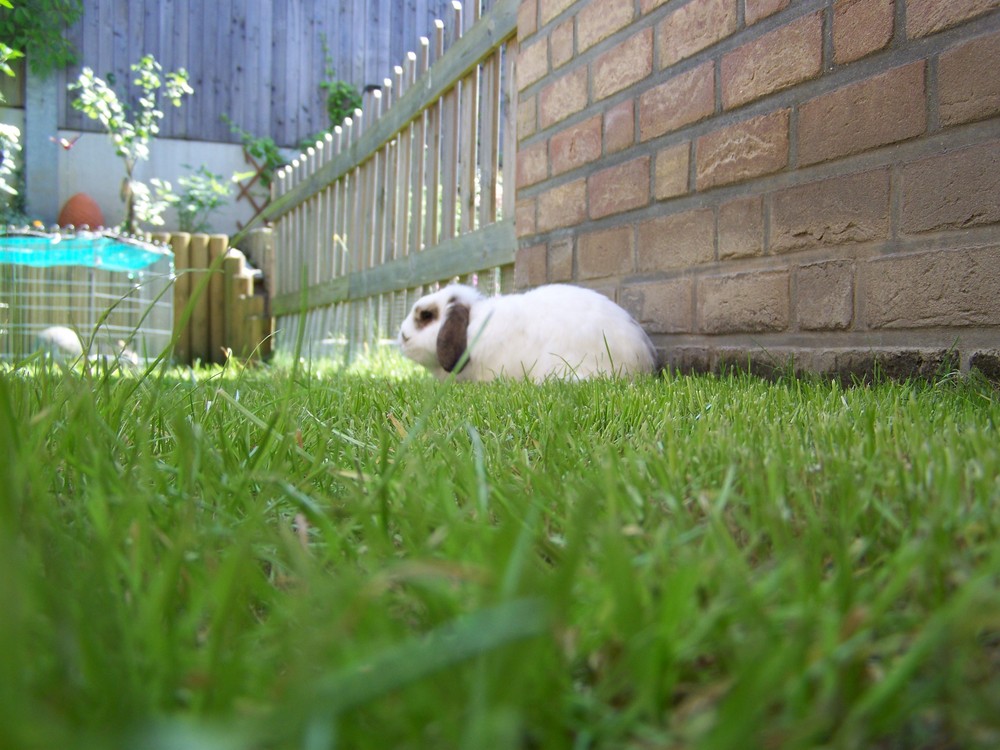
676,241
744,303
532,164
788,55
561,260
693,27
824,295
877,111
968,83
562,206
662,306
623,65
608,290
619,126
599,19
936,288
955,190
861,27
681,100
605,253
529,266
619,188
987,361
767,364
561,44
532,63
527,19
525,211
741,228
565,96
746,149
575,146
834,211
527,116
645,6
670,171
549,9
759,9
925,17
868,365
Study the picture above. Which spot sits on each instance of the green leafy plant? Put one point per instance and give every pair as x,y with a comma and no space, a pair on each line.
263,149
132,128
341,97
10,135
341,100
12,202
39,26
201,194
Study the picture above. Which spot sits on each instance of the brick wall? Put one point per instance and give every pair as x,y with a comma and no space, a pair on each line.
770,179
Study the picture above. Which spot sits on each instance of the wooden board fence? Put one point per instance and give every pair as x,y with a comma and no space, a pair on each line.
403,197
229,316
261,62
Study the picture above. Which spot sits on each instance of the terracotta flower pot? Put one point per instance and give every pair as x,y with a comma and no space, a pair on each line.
81,210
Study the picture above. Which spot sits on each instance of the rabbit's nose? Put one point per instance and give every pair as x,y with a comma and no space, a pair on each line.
403,337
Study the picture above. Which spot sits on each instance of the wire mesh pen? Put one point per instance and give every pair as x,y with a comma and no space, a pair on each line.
110,289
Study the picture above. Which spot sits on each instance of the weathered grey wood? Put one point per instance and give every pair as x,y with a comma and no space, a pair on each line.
258,61
468,135
487,248
489,139
450,134
419,157
508,152
434,118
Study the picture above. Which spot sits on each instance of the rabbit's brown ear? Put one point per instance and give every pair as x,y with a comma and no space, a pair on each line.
453,338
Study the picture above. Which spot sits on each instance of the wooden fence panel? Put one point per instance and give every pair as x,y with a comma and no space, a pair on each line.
409,197
260,62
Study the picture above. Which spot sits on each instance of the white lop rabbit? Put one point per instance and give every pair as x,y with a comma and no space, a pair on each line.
551,331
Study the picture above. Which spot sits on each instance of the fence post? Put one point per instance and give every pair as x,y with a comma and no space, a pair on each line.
200,317
217,244
232,268
180,243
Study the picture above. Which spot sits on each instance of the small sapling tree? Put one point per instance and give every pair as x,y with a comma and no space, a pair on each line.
132,128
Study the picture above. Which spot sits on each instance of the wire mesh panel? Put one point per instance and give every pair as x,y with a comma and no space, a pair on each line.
110,301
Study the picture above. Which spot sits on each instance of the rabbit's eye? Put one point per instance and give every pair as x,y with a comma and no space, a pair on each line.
426,315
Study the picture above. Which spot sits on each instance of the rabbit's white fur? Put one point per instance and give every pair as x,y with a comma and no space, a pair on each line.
551,331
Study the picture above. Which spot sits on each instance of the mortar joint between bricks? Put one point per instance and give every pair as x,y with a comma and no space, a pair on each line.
827,62
931,99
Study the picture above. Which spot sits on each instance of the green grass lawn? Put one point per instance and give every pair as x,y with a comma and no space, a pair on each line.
367,558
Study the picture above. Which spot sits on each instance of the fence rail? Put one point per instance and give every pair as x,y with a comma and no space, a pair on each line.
407,195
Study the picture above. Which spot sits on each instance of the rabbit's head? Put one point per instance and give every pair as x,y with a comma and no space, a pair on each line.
435,333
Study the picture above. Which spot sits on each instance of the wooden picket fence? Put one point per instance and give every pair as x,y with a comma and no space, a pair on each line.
403,196
229,316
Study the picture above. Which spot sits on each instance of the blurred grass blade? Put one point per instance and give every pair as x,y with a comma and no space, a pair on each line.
416,658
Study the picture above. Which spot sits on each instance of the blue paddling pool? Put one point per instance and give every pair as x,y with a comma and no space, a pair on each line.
92,249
